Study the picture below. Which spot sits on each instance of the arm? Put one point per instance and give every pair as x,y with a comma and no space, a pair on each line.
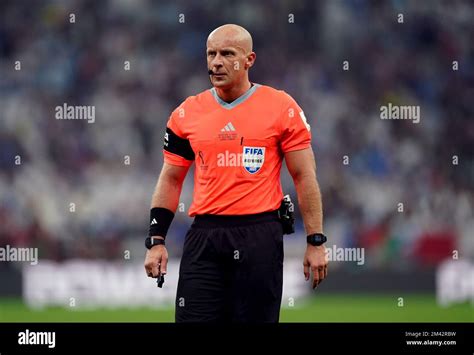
168,187
166,195
302,167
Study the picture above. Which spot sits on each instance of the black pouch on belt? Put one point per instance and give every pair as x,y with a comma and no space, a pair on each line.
285,214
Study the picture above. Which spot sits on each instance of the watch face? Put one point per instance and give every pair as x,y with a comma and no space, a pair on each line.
317,239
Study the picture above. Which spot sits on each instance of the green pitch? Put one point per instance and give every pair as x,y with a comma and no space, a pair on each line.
322,308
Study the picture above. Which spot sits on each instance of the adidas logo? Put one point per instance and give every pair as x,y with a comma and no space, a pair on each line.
153,222
228,132
228,127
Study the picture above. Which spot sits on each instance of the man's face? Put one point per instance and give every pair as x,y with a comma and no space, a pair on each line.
228,61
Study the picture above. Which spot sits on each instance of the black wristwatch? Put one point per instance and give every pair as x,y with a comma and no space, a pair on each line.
316,239
152,241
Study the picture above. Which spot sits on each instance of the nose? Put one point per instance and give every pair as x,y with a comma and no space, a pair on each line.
216,62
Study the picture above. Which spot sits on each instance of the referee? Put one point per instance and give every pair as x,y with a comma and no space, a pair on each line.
237,134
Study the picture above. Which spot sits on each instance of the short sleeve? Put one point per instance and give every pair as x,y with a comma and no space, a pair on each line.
176,147
295,130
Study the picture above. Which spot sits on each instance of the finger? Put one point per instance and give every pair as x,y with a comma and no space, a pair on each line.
164,265
155,268
315,277
148,269
306,271
321,274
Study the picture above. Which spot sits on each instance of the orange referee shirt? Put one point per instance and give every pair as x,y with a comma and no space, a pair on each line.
237,148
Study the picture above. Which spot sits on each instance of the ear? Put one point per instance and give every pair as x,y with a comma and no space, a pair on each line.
250,60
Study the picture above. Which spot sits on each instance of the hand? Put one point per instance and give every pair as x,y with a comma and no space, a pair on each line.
156,261
316,260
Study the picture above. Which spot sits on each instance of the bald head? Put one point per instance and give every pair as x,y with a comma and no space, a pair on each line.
229,58
231,35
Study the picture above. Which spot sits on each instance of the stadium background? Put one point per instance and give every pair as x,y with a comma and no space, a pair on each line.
82,190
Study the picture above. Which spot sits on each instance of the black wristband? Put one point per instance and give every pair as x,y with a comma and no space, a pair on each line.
160,221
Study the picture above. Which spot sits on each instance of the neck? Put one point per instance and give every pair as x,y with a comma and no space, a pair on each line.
230,94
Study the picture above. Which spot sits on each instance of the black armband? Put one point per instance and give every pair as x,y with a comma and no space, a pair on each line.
160,221
177,145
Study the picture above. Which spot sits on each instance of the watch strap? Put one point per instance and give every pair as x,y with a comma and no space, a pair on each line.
152,241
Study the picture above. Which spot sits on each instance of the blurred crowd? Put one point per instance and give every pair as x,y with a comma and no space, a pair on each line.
401,190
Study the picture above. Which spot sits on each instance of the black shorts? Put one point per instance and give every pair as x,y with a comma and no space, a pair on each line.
231,269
